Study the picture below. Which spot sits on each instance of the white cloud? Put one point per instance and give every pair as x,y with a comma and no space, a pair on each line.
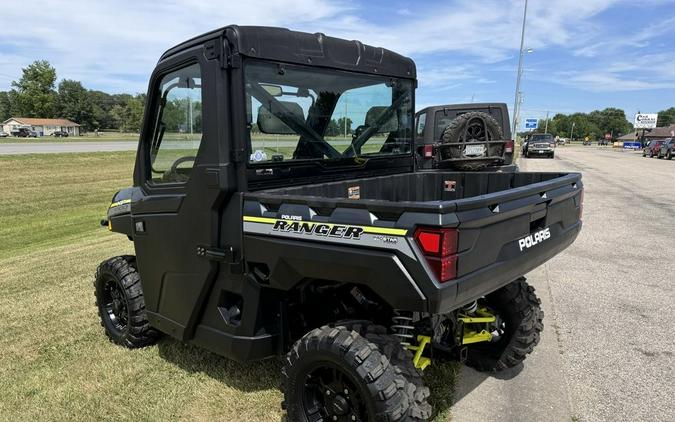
113,45
603,81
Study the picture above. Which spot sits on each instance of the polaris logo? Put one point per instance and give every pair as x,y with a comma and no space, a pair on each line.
319,229
531,240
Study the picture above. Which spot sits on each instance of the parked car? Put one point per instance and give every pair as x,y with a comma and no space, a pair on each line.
60,134
652,148
540,144
666,149
3,134
468,137
561,141
24,133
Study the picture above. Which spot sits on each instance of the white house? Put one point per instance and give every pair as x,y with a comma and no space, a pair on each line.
43,127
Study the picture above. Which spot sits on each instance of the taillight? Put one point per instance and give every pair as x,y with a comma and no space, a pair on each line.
428,151
508,147
439,246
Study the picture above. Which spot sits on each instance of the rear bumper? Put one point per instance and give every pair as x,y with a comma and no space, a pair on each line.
472,286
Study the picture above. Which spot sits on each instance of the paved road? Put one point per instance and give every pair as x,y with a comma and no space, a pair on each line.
607,352
55,147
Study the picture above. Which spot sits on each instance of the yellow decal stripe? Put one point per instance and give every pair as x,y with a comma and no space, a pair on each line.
118,203
366,229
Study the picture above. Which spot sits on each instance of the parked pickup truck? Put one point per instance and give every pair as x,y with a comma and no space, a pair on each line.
539,145
469,137
263,231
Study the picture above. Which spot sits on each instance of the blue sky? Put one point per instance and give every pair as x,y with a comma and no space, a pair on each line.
587,54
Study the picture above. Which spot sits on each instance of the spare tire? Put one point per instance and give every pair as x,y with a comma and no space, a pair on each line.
471,127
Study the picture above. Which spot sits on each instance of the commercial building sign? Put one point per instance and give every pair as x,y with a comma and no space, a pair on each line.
645,121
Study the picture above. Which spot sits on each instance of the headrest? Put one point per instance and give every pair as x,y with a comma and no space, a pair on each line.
268,122
374,114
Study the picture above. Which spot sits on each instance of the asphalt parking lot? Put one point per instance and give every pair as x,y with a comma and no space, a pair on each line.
607,353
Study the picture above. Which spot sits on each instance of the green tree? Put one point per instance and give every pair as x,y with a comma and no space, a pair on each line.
5,106
127,116
666,117
333,129
610,120
33,95
341,125
74,103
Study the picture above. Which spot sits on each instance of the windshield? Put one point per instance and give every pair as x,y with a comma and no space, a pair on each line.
542,137
308,113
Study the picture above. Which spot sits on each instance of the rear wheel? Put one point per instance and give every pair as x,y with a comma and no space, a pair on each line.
519,311
336,374
120,303
669,155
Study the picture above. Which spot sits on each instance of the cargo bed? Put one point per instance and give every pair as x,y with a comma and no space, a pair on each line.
493,213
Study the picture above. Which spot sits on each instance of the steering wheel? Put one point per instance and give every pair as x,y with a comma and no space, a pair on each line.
173,175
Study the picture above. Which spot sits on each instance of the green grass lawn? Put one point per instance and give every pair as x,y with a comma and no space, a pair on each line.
55,362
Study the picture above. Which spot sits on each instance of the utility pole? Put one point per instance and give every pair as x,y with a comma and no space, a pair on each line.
516,106
546,125
571,131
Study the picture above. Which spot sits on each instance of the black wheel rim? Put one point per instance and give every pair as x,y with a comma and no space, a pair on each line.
475,131
115,304
330,394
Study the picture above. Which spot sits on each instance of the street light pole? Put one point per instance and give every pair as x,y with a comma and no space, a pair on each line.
516,106
546,125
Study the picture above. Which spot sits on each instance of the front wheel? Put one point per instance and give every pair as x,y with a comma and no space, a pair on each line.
120,303
335,374
669,155
521,318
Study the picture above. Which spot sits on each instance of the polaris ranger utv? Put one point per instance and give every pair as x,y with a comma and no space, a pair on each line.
261,230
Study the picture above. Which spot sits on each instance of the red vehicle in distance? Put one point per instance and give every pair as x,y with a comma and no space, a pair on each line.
652,148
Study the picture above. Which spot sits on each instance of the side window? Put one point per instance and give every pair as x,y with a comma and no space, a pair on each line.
421,121
177,125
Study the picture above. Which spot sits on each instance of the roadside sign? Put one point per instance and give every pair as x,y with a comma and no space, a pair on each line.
531,123
632,145
645,120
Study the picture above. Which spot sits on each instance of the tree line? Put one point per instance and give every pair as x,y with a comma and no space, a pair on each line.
36,94
596,123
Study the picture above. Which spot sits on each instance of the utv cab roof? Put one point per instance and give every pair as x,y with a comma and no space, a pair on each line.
284,45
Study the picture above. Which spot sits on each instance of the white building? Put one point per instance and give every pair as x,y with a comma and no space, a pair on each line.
43,127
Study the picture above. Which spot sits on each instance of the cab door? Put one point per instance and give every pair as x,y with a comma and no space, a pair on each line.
177,211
